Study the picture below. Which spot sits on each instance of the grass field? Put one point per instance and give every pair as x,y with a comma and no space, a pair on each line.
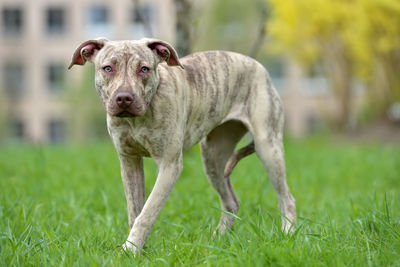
64,206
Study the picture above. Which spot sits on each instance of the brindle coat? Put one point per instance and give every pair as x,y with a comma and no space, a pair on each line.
210,97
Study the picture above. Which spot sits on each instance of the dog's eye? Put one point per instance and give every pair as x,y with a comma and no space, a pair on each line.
107,68
144,69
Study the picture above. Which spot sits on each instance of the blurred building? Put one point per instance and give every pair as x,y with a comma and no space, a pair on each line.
37,39
308,98
304,96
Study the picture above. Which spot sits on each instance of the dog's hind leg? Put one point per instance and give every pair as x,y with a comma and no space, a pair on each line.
272,155
216,149
267,133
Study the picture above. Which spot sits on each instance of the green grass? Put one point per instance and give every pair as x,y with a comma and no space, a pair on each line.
65,206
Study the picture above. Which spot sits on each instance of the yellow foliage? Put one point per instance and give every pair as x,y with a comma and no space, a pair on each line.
366,28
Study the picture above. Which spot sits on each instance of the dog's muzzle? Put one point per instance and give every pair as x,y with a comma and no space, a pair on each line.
124,101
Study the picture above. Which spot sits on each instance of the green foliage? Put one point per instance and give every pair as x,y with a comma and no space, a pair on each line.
227,25
87,114
65,206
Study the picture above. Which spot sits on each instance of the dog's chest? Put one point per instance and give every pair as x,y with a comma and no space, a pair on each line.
129,145
125,140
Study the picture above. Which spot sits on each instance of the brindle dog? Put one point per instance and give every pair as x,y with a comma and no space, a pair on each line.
159,105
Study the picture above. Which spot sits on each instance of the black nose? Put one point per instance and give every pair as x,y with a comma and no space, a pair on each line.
124,99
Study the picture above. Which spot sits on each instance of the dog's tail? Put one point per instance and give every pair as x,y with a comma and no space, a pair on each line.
236,156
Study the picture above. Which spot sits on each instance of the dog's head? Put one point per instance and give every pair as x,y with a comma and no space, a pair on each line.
126,71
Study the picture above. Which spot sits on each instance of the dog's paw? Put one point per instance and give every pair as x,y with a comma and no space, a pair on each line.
130,247
288,228
221,228
216,234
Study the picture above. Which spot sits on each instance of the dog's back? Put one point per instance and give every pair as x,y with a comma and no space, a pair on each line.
216,86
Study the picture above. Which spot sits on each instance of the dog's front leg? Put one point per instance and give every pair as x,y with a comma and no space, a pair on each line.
169,170
133,180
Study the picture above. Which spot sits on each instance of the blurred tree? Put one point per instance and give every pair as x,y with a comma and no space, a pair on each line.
231,25
259,41
3,114
200,25
184,22
358,38
87,120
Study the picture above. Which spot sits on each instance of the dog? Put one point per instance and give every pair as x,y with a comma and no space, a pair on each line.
159,105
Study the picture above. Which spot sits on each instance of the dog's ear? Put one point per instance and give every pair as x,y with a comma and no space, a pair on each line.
165,51
86,51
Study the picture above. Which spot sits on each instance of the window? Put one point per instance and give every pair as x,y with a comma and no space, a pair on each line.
142,21
142,14
276,69
55,76
316,69
17,129
315,81
313,122
14,78
98,15
12,21
56,130
98,21
55,20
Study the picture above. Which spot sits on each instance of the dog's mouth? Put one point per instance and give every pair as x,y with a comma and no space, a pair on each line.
125,114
